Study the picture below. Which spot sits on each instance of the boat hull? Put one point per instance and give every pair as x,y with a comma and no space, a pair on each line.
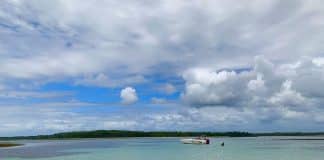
195,141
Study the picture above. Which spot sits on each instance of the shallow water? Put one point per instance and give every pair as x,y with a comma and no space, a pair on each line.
261,148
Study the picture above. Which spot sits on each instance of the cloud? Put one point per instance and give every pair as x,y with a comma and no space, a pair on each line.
2,87
287,97
168,89
33,94
103,80
233,65
205,87
289,85
256,84
156,100
63,40
53,119
128,95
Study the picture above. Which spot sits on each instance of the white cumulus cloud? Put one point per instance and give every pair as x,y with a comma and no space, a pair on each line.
128,95
288,85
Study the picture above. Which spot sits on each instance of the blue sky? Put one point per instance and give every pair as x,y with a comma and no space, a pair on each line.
163,65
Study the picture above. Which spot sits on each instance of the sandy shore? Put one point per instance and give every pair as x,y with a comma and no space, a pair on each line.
6,144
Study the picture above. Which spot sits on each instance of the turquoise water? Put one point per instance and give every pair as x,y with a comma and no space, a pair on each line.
261,148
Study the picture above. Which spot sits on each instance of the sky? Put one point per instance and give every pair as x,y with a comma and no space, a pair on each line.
171,65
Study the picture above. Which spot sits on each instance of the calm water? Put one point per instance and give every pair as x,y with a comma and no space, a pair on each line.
262,148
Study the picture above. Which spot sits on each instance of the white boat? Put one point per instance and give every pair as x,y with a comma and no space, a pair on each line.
195,140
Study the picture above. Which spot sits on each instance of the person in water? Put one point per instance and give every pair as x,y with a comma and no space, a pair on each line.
222,144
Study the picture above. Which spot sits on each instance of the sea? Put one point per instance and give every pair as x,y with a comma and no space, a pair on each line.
252,148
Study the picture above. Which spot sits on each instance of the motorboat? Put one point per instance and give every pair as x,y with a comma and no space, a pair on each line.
198,140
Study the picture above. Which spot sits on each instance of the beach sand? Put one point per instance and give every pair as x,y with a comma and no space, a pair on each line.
8,144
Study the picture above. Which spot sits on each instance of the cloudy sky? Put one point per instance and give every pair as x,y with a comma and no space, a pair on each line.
198,65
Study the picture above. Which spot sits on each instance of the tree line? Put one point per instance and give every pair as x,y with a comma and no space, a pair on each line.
122,133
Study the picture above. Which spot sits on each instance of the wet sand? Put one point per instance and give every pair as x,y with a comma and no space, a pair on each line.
6,144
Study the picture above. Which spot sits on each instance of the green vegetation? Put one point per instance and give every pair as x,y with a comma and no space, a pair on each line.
120,133
291,134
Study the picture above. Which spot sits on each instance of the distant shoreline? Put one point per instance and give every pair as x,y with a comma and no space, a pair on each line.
126,134
302,139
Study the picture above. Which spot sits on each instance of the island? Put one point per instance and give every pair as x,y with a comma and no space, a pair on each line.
125,133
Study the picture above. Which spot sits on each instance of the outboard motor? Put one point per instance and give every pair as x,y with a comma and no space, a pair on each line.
207,141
